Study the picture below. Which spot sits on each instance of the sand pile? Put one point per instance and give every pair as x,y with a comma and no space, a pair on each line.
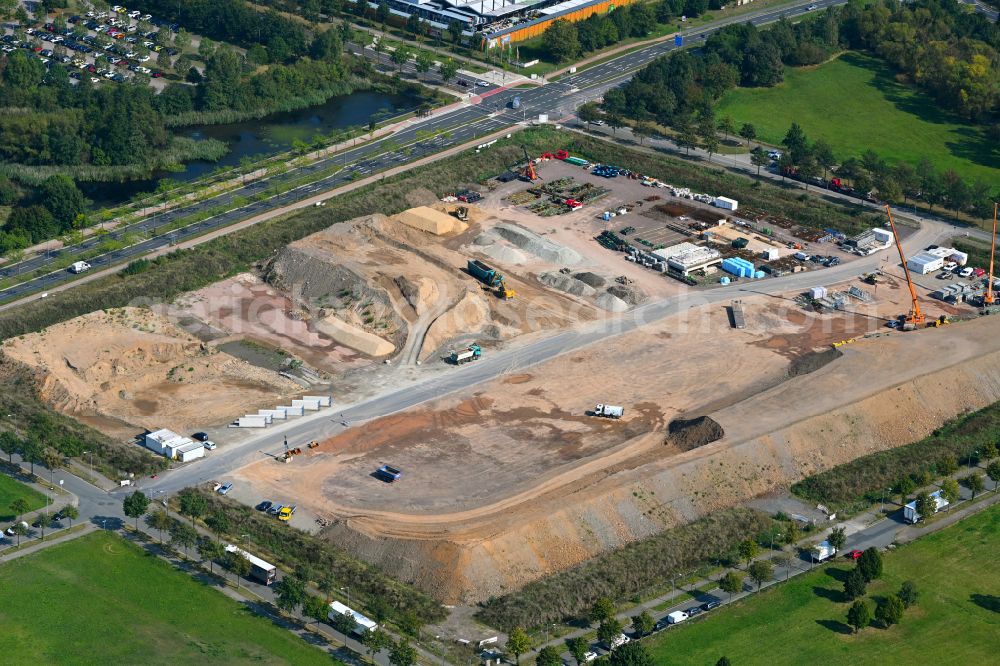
420,292
128,369
611,303
534,244
629,293
468,317
567,283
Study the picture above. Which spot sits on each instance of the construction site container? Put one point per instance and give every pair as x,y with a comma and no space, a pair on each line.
273,414
310,405
324,400
292,410
578,161
960,258
726,203
250,421
740,243
738,267
817,293
771,254
925,263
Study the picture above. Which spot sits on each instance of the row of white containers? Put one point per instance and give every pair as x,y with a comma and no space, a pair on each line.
265,417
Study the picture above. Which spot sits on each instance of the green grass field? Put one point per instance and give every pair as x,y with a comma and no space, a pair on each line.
855,103
10,490
803,621
100,600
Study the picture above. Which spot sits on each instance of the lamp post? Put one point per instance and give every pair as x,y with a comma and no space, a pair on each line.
348,591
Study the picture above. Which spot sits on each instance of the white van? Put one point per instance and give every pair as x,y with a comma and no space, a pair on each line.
79,267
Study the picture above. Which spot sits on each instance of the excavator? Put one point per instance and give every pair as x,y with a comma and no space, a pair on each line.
915,318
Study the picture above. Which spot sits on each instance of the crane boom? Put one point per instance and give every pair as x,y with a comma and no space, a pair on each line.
993,247
916,317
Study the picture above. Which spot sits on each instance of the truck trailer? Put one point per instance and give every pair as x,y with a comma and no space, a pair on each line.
260,571
480,271
470,353
823,551
609,411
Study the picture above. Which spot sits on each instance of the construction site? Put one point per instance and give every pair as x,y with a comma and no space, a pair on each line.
613,355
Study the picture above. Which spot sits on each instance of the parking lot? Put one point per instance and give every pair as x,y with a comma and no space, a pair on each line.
113,46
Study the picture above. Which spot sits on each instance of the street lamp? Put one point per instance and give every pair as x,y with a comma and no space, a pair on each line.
972,453
348,591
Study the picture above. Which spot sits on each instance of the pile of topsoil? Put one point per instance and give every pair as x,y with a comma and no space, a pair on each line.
813,361
687,434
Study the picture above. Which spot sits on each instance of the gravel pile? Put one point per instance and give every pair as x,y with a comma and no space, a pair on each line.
566,283
593,279
534,244
628,293
611,303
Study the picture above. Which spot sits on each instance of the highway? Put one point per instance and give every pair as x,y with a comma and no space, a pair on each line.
462,125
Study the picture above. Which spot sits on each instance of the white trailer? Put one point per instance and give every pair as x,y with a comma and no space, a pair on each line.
676,617
609,411
910,514
726,203
323,400
292,410
250,421
362,624
823,551
311,405
279,414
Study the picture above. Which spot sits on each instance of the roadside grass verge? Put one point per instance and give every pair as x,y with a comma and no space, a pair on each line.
804,621
11,490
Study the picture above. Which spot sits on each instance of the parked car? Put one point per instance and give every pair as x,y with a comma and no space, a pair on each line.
965,272
200,436
210,445
275,508
264,506
710,605
950,266
694,610
224,490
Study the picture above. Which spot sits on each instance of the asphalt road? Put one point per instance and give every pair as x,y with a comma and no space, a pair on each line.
464,124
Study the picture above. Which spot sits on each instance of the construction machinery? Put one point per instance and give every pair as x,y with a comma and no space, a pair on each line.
462,213
915,318
529,171
492,278
875,277
988,298
471,353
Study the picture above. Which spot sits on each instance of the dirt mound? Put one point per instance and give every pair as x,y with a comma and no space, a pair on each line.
567,283
812,362
128,369
629,293
593,279
687,434
611,303
468,317
420,292
534,244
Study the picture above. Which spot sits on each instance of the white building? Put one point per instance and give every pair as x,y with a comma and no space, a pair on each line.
925,263
176,447
363,623
687,257
910,514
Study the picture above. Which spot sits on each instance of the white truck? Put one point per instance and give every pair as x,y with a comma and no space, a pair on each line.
676,617
79,267
823,551
609,411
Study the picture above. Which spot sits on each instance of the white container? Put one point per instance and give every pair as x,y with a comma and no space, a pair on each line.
323,400
726,203
817,293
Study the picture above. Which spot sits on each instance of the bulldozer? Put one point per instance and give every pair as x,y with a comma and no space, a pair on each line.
939,322
875,277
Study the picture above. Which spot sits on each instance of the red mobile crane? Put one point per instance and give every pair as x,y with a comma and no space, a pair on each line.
915,318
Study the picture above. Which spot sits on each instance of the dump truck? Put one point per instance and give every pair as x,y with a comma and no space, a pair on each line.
489,276
609,411
470,353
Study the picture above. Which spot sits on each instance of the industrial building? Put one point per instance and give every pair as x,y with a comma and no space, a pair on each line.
685,258
175,447
499,22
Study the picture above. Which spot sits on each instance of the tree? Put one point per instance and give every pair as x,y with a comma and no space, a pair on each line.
317,608
727,125
855,584
723,661
549,656
947,465
183,535
578,646
870,564
20,530
589,112
71,513
795,141
135,506
182,39
193,504
603,609
748,549
211,550
908,593
454,31
732,583
643,130
989,451
949,490
561,40
43,520
289,592
239,565
823,154
402,654
890,611
31,450
710,142
518,642
448,69
975,483
643,623
631,654
425,60
374,640
400,56
160,521
615,122
20,507
859,615
760,572
837,538
609,630
904,487
993,470
759,158
925,505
